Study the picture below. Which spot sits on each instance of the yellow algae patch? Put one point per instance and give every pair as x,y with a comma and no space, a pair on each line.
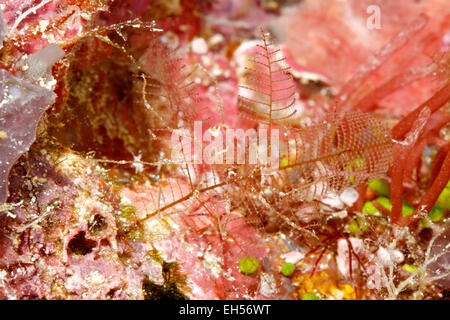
325,285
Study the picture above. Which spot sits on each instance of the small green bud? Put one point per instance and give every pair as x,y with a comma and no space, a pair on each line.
407,209
248,265
369,208
357,226
354,228
287,269
436,214
409,268
444,198
385,202
311,296
380,186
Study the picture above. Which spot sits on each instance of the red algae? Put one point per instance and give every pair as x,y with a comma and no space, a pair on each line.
148,147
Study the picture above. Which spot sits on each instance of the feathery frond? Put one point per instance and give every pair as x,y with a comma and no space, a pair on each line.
269,94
